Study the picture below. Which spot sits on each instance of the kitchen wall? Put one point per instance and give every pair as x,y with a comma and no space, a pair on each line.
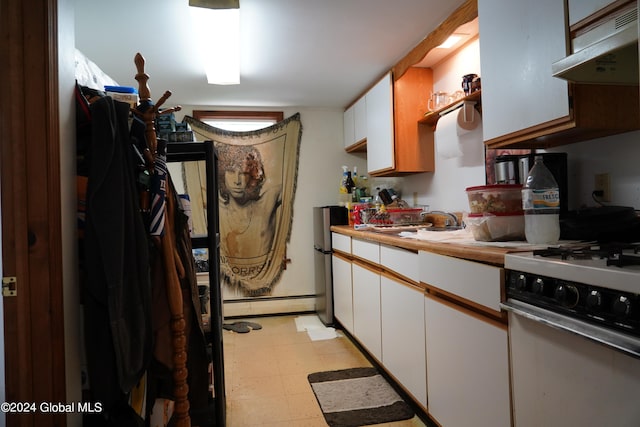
617,155
322,155
444,188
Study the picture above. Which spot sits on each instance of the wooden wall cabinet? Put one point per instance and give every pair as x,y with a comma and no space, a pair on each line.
397,144
523,105
414,143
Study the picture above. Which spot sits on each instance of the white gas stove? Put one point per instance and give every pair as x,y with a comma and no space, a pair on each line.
592,290
615,267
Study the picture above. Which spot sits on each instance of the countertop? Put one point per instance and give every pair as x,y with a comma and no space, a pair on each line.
487,252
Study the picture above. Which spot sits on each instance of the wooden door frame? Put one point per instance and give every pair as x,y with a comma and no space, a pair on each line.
31,208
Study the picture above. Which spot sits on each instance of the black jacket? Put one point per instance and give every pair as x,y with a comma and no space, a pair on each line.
117,290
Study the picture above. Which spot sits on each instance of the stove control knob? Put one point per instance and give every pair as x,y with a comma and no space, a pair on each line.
538,286
622,306
521,282
594,299
567,295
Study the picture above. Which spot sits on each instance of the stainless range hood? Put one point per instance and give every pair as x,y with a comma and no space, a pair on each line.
611,59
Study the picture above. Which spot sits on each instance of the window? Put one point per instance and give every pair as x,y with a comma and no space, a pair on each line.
239,120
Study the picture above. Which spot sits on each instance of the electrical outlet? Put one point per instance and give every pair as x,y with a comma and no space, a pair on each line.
602,182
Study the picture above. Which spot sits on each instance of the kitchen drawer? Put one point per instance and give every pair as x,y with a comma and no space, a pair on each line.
400,261
369,251
341,242
473,281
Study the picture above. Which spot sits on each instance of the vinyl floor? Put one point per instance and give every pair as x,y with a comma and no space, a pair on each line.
266,374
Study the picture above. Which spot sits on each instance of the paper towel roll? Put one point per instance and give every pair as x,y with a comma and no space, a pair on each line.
464,143
446,136
468,118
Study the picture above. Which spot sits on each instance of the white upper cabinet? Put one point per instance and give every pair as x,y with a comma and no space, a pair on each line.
380,143
349,126
360,120
355,124
523,105
519,40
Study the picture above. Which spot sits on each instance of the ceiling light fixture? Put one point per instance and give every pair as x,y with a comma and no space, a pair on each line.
216,4
218,32
450,42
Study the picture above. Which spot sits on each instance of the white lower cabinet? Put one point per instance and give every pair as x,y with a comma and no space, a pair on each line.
366,308
403,335
467,367
342,292
453,361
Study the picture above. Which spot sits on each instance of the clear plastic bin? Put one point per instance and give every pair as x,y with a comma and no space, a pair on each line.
391,216
495,227
500,198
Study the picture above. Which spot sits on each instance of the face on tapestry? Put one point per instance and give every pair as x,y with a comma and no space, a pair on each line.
243,173
236,181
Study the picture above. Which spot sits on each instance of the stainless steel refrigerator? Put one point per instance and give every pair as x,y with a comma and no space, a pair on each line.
323,218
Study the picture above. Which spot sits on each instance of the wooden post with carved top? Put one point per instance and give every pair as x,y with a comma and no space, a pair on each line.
173,267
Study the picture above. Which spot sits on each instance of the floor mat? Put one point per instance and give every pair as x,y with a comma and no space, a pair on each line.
357,397
241,327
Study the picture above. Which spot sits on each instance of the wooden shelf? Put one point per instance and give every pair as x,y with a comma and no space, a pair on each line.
431,117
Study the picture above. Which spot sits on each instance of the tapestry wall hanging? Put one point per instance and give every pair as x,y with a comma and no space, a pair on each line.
257,176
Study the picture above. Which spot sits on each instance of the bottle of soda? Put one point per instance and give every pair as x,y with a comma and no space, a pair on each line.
541,205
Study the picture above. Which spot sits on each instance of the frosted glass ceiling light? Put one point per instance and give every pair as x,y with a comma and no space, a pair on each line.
451,41
218,31
216,4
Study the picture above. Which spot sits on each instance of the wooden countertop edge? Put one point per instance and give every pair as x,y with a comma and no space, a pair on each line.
484,254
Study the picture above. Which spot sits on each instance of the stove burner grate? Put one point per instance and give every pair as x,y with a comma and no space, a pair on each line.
616,254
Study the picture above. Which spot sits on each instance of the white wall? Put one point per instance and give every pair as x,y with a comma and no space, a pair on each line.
319,171
444,188
71,293
617,155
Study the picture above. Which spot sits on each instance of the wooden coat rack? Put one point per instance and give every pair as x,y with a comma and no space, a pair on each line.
173,267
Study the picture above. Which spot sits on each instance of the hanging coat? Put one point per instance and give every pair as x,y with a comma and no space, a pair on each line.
117,292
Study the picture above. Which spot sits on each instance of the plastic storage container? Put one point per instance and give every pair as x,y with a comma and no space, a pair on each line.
496,227
500,198
374,216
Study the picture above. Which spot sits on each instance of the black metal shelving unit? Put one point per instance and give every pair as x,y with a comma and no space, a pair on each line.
195,151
